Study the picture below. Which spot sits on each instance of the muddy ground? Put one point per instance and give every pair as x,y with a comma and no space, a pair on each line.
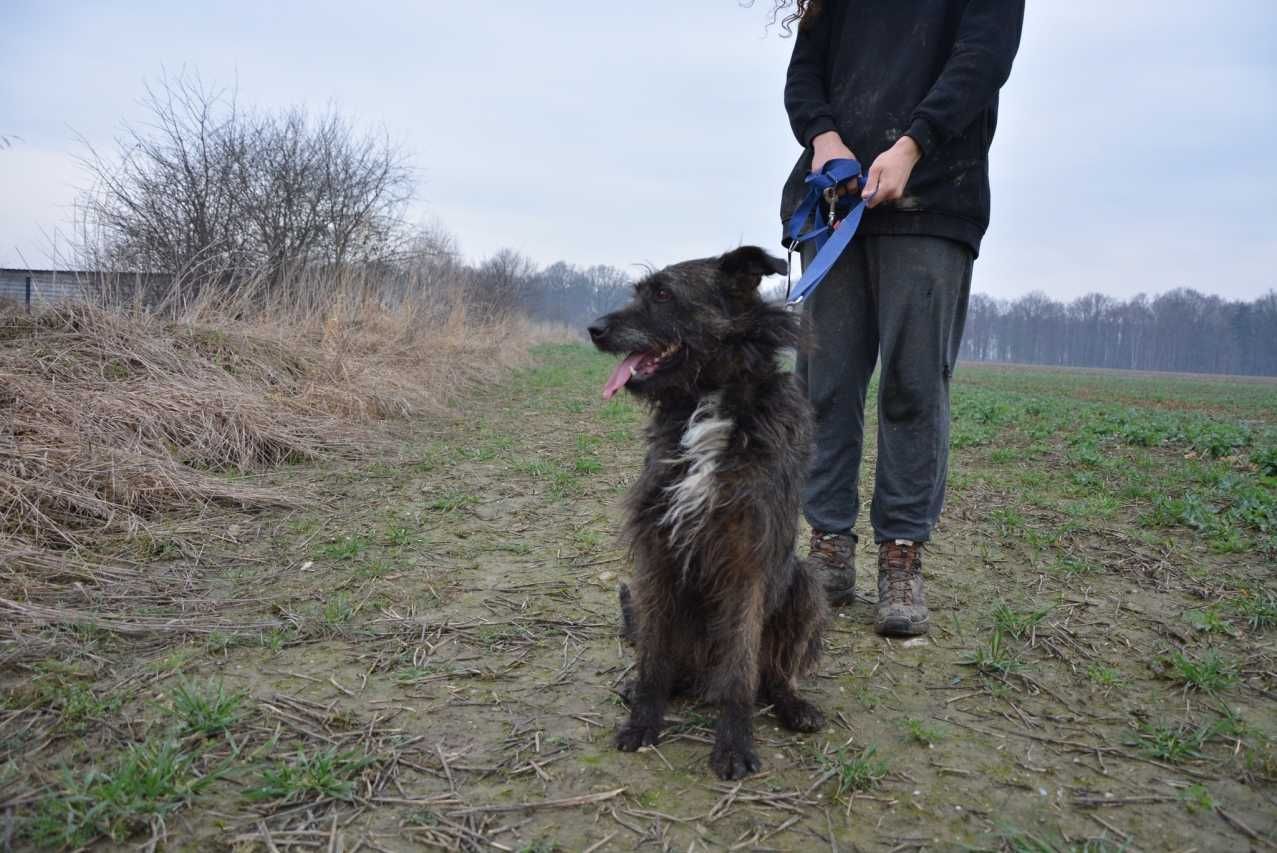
423,652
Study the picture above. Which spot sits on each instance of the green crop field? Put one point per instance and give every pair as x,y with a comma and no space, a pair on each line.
426,656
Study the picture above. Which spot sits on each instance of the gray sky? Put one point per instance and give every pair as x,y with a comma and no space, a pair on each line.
1135,149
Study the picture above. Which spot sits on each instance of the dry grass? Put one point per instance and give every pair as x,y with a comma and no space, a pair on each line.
115,421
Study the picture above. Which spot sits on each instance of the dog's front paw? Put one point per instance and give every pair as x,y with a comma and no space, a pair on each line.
632,736
800,716
734,761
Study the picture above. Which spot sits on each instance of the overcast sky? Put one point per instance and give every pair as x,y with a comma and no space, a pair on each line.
1135,149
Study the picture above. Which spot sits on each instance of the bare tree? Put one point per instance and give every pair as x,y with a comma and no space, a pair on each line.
502,282
166,201
317,192
207,190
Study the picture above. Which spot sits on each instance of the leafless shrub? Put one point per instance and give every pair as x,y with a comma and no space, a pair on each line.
213,193
501,283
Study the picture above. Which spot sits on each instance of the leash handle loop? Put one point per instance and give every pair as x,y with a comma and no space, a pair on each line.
830,241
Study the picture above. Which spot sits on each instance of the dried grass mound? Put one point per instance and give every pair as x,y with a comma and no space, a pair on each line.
113,419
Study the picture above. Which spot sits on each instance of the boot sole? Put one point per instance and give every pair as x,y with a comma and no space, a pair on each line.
902,628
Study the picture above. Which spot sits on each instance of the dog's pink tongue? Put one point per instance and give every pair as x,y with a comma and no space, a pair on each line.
621,375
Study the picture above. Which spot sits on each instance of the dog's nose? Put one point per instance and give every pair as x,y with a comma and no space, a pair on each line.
597,330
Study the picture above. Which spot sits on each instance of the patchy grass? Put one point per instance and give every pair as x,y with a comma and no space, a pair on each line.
1017,623
922,733
329,774
1104,676
855,773
995,658
206,709
132,794
425,653
1173,743
1257,609
1209,673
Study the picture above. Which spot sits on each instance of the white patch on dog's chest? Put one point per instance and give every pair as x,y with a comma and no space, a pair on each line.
700,450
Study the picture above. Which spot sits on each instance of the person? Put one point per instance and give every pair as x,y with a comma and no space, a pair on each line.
911,89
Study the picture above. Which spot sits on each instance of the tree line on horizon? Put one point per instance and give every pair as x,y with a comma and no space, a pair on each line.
1181,330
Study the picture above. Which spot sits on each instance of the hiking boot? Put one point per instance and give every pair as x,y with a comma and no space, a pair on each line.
833,556
902,607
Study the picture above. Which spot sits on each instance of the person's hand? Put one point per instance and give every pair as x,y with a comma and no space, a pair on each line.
829,146
890,172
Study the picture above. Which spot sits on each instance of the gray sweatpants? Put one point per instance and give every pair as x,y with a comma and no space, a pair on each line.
906,298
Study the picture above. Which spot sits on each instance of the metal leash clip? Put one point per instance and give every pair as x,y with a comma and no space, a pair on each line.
831,200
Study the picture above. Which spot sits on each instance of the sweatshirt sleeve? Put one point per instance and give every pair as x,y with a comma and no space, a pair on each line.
988,37
806,99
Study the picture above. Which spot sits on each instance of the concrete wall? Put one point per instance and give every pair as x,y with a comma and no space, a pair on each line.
46,285
55,285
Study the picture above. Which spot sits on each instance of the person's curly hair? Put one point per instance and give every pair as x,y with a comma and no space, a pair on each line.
803,11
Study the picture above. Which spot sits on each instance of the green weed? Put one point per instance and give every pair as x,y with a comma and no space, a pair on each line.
76,703
150,781
1209,674
1196,798
373,569
1104,676
537,467
588,539
586,443
921,733
1008,521
1074,565
206,710
588,465
861,772
452,501
1258,609
338,610
1208,621
326,775
1018,624
994,658
345,548
1174,744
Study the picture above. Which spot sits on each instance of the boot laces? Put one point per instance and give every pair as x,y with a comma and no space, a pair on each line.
899,561
825,545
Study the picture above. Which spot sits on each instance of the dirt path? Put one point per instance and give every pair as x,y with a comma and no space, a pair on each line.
445,667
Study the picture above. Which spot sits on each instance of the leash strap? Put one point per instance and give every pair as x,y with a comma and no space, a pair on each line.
829,241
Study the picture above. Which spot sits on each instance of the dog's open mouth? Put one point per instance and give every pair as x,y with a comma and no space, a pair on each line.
638,365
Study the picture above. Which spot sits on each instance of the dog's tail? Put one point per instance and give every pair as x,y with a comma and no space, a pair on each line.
628,629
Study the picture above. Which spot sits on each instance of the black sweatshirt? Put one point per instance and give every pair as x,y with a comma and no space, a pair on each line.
876,69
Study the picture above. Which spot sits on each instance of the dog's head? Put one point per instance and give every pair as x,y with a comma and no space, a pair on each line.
692,326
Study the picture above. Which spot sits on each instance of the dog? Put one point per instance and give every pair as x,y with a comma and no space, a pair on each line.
720,604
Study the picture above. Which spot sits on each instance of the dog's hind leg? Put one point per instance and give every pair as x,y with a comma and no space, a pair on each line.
791,648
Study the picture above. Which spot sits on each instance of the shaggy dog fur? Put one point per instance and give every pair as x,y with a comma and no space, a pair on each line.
720,603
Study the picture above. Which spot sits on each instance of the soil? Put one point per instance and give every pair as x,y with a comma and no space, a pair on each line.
448,609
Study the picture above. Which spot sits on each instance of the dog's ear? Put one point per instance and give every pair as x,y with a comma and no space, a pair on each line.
751,263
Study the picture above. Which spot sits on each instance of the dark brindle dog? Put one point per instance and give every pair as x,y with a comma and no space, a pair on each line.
720,605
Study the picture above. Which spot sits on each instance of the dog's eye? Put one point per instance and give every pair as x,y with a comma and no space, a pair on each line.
662,295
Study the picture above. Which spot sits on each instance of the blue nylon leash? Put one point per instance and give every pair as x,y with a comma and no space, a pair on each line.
829,241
